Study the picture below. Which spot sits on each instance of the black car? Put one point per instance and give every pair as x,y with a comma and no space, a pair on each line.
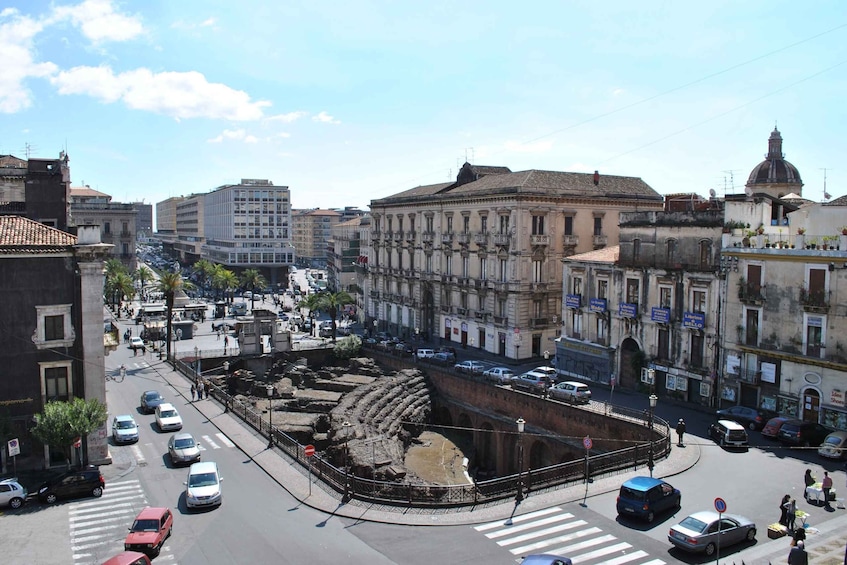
806,434
73,484
750,418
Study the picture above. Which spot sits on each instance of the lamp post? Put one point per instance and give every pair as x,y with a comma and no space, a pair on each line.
226,379
653,400
197,361
521,423
376,326
270,390
347,425
417,334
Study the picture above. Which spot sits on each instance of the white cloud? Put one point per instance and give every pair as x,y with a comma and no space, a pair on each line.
234,134
16,51
325,118
180,95
287,118
618,91
537,147
181,24
99,22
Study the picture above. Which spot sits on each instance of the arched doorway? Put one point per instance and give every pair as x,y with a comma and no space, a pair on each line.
811,405
631,354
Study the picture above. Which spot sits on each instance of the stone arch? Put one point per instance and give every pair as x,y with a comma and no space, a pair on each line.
630,351
810,404
539,455
442,416
486,450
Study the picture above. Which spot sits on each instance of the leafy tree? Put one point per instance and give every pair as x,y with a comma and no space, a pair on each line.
143,275
62,422
332,302
224,281
347,347
312,303
251,279
204,269
118,285
169,284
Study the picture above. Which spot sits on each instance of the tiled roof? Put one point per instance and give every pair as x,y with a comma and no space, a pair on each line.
22,235
87,191
426,190
604,255
352,222
840,201
320,212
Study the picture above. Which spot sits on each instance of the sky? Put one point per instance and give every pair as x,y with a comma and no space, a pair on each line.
345,102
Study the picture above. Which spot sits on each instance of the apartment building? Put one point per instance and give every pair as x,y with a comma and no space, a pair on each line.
477,262
311,235
188,244
117,221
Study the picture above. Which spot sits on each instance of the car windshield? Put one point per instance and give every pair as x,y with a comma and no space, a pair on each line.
183,443
202,480
152,396
833,441
168,414
145,526
693,524
124,424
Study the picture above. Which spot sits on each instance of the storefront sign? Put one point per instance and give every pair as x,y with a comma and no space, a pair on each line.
768,373
695,320
836,397
597,305
733,363
464,326
573,301
705,389
728,393
627,310
661,315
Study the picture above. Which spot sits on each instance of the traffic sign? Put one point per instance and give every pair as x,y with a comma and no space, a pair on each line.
14,447
587,443
720,505
309,450
78,442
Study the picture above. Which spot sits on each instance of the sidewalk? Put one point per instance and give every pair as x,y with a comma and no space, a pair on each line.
293,478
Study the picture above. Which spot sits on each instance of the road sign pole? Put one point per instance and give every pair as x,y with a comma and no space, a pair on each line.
720,506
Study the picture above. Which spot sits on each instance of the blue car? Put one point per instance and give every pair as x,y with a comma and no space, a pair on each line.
644,497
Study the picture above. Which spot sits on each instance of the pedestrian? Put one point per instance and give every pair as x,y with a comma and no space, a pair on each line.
206,386
826,486
783,509
193,392
798,555
808,480
199,390
218,331
680,431
791,513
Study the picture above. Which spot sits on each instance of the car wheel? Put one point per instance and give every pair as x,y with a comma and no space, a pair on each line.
751,534
650,517
752,426
16,503
710,549
50,498
97,492
722,442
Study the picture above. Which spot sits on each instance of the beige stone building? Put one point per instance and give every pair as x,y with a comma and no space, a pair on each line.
190,231
311,232
477,262
117,221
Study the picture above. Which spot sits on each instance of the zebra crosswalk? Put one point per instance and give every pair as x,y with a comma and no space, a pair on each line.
98,526
553,530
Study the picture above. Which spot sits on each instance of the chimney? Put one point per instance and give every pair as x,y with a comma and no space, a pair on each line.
596,178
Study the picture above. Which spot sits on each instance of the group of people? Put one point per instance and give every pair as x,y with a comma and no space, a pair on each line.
200,389
826,486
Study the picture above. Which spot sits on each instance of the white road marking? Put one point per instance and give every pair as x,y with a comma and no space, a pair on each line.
226,441
521,518
212,444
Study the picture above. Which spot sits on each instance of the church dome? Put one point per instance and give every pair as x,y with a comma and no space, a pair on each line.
774,169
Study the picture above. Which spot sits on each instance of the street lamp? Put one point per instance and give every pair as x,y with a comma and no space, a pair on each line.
270,390
653,400
376,325
521,423
228,391
347,425
417,334
197,361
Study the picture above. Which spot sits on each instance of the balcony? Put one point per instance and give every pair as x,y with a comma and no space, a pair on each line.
463,237
447,237
462,311
480,238
539,322
126,234
570,240
374,294
464,281
538,287
502,238
427,236
539,239
480,315
445,308
746,375
501,320
814,300
600,240
397,236
410,236
501,287
376,235
751,293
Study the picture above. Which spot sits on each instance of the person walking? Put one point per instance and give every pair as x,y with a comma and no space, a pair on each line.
680,431
193,392
826,486
199,390
790,508
783,508
798,555
808,480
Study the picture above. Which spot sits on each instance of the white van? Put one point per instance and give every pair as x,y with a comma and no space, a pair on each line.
426,353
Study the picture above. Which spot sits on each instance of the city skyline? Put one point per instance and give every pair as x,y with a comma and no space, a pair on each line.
349,103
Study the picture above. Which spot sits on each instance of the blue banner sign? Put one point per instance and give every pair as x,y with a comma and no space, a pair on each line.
627,310
662,315
694,320
573,301
597,305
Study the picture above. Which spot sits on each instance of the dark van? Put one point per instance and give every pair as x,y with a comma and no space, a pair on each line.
644,497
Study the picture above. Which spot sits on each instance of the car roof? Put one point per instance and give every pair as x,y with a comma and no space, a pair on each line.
573,383
148,392
841,434
642,483
730,424
711,515
151,512
124,418
203,467
9,481
182,435
166,406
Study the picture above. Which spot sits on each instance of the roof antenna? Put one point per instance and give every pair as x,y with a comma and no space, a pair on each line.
826,195
731,180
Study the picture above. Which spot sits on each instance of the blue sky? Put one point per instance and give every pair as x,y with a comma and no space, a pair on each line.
345,102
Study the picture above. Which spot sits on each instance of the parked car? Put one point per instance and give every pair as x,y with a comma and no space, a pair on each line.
805,434
771,429
834,446
203,487
549,371
546,559
750,418
644,497
728,433
699,532
167,418
222,326
12,493
124,429
443,357
150,399
499,375
469,367
570,391
149,531
424,353
73,484
128,558
183,449
533,382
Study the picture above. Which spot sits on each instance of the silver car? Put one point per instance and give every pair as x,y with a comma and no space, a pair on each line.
570,391
183,449
699,532
499,375
124,429
203,487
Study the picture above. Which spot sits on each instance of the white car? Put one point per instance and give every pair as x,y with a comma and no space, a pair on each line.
499,375
469,367
203,487
12,493
167,418
570,391
124,429
136,342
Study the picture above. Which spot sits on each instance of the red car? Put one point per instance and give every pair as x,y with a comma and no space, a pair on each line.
149,531
771,429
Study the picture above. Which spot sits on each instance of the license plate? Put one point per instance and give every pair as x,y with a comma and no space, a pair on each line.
679,536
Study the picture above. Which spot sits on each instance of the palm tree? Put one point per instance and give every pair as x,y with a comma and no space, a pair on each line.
169,284
204,269
114,268
313,302
230,282
252,279
142,275
332,302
